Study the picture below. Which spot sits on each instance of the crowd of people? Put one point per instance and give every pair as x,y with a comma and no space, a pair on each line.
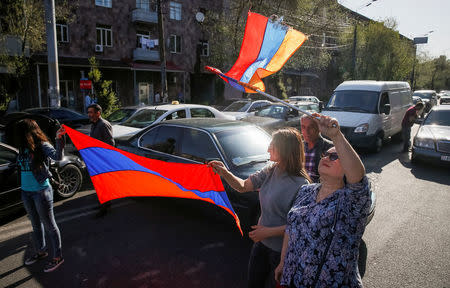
314,197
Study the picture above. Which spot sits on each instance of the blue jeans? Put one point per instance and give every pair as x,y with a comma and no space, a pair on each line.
261,266
39,206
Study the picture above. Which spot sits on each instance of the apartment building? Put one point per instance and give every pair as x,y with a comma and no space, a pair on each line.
123,36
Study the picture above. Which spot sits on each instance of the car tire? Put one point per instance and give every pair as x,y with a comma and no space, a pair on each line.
378,145
71,180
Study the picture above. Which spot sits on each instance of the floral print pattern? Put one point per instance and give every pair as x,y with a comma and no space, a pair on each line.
309,229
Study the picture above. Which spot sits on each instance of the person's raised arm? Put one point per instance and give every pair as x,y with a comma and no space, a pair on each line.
235,182
351,163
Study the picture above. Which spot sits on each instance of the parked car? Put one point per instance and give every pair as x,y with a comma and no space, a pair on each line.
241,146
122,114
67,173
244,108
274,117
152,115
432,141
445,99
71,118
429,98
311,107
305,99
369,112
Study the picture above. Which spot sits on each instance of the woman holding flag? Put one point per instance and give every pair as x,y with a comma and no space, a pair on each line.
277,184
33,162
326,223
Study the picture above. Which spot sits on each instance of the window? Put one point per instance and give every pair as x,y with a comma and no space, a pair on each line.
104,3
383,101
104,35
204,48
176,115
175,10
148,138
201,113
198,146
62,32
166,140
175,44
142,35
143,4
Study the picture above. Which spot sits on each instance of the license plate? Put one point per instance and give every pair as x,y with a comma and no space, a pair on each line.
445,158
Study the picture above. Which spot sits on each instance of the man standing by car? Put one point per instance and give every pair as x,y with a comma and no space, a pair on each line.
101,130
410,117
315,146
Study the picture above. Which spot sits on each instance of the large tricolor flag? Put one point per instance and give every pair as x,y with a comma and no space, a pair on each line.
266,47
117,174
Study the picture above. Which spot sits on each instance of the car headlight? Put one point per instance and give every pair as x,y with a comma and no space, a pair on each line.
424,143
362,128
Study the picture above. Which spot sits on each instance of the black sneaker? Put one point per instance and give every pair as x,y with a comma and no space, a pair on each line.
53,264
36,257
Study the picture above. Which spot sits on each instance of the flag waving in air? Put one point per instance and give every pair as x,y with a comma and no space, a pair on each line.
267,45
117,174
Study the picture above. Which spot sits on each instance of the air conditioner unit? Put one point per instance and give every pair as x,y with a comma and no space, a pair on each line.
98,48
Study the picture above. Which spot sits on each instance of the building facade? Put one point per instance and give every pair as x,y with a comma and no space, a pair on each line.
123,37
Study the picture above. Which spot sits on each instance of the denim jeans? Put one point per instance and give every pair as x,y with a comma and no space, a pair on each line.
39,206
261,266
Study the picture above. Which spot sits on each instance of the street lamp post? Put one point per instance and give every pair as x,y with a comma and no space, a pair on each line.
416,41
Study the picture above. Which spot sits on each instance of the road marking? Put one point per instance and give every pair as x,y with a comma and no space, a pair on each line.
23,227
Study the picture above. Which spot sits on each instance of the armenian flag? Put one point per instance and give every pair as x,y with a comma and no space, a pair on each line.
118,174
266,47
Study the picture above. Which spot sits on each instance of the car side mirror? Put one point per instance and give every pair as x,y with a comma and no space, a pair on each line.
387,109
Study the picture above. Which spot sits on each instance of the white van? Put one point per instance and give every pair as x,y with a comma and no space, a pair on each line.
369,111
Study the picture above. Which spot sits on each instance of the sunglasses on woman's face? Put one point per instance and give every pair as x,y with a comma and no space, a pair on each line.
332,155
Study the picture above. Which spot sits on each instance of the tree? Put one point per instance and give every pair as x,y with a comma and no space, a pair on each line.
433,73
24,20
382,53
107,98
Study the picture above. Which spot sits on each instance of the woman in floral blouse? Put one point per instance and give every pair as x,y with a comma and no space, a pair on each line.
327,220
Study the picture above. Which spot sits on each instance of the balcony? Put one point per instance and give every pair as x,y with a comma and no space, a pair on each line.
141,54
144,16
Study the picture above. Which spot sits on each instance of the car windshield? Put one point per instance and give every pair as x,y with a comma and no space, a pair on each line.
438,117
301,98
423,95
120,115
143,118
310,107
238,106
353,101
245,146
272,111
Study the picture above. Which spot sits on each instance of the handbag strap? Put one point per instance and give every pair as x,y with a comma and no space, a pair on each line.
324,257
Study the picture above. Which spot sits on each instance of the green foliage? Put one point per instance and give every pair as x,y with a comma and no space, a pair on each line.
433,73
107,98
381,53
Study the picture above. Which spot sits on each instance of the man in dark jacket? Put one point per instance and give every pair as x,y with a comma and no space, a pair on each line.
101,130
315,146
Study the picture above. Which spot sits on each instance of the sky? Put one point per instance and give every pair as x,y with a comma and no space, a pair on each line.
415,18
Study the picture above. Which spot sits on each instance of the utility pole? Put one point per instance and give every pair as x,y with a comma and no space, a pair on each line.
354,52
162,50
52,54
413,74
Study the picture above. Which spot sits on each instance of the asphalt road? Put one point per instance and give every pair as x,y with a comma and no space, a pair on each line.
156,242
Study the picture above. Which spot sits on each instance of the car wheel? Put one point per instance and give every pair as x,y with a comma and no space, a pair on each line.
71,180
378,145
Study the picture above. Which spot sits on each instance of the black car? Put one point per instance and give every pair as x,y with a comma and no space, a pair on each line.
242,147
432,141
67,173
66,116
